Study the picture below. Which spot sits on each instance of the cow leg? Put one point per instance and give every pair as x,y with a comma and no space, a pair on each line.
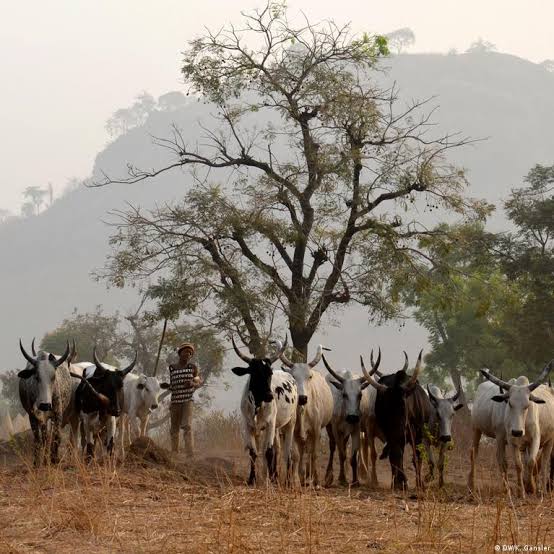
442,452
287,451
516,452
89,437
501,460
364,456
313,457
143,425
373,452
355,437
341,445
269,450
332,446
473,455
430,459
37,446
45,439
546,454
531,462
110,434
55,445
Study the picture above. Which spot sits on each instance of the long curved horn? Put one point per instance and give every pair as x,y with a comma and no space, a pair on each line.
487,375
379,386
318,354
540,379
375,366
417,371
130,367
242,356
431,395
33,351
374,370
284,359
280,351
405,368
97,362
32,361
103,399
332,371
64,357
73,352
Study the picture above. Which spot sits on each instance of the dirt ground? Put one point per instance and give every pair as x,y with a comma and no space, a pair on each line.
154,503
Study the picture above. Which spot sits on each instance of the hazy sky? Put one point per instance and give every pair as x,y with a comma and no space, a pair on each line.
66,65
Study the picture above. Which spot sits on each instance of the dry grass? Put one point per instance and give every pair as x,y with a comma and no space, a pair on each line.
153,503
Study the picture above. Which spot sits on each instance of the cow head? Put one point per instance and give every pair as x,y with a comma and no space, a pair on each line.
302,373
518,397
260,372
149,389
110,384
444,409
350,389
43,368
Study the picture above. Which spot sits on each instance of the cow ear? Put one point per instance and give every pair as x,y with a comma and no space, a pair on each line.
336,385
52,358
240,371
140,386
499,398
26,373
536,399
164,385
365,384
458,406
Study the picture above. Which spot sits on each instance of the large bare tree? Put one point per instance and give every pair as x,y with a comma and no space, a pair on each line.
304,189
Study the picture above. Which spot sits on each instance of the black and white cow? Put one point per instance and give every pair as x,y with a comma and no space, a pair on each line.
45,394
101,403
268,407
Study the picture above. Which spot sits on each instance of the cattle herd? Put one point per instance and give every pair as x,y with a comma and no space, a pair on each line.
284,412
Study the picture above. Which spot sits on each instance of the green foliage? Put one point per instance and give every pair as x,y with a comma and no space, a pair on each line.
10,392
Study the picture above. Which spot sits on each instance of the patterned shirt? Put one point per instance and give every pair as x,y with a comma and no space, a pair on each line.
180,381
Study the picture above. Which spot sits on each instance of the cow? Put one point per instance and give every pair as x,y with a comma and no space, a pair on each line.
345,424
440,426
402,410
99,401
268,408
521,414
141,396
315,410
45,394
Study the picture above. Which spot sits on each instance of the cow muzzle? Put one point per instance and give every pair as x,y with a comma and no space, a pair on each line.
268,397
302,400
154,407
446,438
45,407
352,418
516,433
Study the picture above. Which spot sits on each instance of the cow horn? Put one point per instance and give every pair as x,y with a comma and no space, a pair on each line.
130,367
374,370
98,395
33,351
25,355
283,357
331,371
375,366
487,375
280,351
413,379
242,356
544,374
431,395
73,354
97,362
64,357
318,354
405,368
369,378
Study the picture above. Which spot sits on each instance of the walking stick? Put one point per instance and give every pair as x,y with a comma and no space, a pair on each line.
160,348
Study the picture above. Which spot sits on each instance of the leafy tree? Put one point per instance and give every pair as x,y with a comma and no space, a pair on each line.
126,119
4,215
401,39
35,197
548,65
88,330
480,46
313,206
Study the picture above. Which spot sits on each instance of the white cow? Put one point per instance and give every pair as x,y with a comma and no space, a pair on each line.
268,407
315,410
347,392
440,426
522,416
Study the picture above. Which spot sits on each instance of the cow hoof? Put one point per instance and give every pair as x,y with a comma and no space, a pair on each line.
355,484
343,482
328,480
